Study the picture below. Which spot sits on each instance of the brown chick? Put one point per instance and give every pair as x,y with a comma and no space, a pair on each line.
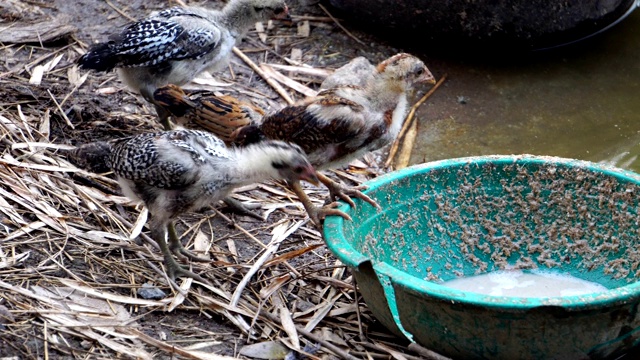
342,123
221,115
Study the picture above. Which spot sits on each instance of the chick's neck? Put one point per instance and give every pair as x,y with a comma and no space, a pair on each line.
236,18
252,164
385,93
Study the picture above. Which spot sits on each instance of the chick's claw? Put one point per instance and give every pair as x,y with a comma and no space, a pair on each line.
184,254
344,193
317,215
242,208
176,247
362,196
175,270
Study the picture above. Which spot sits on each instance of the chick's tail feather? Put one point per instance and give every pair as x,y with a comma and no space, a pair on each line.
93,157
173,99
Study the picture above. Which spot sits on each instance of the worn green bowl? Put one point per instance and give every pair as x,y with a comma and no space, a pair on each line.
462,217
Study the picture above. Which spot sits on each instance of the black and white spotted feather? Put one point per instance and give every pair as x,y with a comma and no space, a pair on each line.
151,42
180,170
174,11
173,46
180,33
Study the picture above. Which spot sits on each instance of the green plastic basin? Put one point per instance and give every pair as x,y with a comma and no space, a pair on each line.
468,216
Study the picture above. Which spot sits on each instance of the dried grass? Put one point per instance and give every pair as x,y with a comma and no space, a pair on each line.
74,252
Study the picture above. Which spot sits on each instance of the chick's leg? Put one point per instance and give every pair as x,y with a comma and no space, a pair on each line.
316,214
242,209
163,115
176,247
339,191
173,268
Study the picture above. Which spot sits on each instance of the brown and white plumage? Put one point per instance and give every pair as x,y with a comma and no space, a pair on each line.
221,115
178,171
342,123
173,46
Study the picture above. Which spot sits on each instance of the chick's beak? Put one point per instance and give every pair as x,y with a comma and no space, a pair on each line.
309,175
428,78
285,16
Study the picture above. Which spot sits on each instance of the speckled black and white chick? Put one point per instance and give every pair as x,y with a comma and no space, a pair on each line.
344,122
173,46
177,171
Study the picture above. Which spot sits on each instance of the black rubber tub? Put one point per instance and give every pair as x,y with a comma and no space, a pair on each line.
518,24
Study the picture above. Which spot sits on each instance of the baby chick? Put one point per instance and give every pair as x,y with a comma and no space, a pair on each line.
221,115
344,122
358,71
177,171
174,45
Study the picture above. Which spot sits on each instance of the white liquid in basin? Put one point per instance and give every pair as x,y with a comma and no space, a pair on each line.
516,283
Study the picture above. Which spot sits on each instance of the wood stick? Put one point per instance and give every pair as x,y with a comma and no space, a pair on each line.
62,113
304,90
405,127
407,145
274,84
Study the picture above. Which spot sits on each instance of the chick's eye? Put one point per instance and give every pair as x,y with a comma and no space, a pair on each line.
298,169
420,72
278,10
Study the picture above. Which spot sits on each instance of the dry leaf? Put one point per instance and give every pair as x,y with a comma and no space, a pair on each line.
110,296
53,63
202,244
180,298
329,334
6,317
73,75
36,75
292,254
275,285
260,30
9,261
265,350
44,128
304,29
139,224
107,90
287,322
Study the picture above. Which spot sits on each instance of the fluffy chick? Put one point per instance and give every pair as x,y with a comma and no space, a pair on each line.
177,171
358,71
174,45
344,122
221,115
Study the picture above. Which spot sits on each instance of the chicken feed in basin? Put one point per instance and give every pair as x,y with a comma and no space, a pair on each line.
525,215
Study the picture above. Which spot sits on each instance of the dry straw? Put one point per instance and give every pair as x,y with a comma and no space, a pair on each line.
74,254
